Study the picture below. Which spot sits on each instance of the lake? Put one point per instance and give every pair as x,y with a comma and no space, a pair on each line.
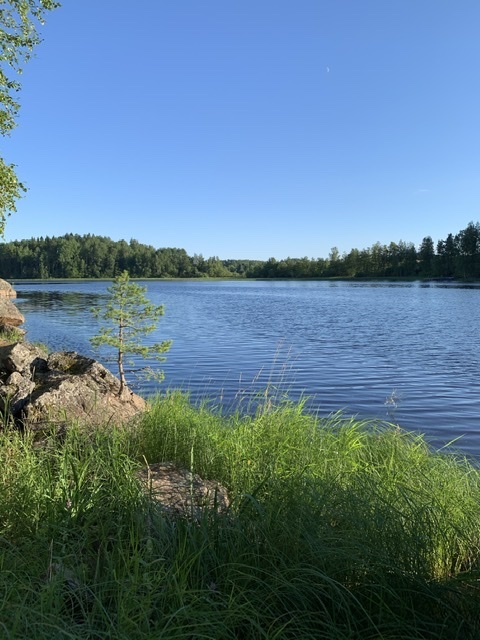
408,353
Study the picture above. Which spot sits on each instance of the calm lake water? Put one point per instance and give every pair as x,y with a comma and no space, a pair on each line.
408,353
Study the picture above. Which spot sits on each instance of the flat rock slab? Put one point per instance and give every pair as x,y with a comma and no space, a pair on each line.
181,492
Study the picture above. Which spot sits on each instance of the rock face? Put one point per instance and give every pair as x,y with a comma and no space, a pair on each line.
10,316
6,290
41,390
180,492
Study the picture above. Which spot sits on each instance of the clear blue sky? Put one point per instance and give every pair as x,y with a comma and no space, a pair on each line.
252,128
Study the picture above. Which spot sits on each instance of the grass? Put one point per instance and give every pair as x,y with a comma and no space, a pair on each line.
338,529
13,335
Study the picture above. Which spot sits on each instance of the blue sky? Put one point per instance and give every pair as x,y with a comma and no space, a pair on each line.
251,128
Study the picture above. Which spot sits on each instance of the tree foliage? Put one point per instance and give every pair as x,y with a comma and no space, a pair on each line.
89,256
129,317
19,35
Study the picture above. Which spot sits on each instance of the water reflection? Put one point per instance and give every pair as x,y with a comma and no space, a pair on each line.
71,302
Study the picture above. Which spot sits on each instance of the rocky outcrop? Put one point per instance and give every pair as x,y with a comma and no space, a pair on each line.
36,389
44,390
19,357
180,492
6,290
16,381
10,316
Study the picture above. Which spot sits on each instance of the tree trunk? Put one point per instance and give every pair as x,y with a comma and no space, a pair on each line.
121,372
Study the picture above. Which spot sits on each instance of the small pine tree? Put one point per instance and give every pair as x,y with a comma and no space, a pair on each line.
129,316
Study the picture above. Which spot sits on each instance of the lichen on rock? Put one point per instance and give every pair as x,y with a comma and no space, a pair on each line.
63,386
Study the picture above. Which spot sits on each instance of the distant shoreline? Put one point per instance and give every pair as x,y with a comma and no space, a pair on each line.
440,280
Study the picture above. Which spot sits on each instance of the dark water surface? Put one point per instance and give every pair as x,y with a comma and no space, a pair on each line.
404,352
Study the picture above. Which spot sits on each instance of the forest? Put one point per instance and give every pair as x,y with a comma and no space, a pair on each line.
91,256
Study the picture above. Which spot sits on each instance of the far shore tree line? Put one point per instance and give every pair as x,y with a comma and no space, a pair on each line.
91,256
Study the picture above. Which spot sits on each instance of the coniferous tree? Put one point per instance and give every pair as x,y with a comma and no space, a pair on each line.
129,316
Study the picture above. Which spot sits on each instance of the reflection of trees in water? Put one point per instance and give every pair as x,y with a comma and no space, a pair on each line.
68,302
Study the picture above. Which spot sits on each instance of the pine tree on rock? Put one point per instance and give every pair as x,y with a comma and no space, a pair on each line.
129,316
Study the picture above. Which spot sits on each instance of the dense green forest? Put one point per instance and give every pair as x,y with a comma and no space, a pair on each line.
90,256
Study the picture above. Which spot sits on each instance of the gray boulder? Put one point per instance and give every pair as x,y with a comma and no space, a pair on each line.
62,387
16,391
20,357
79,388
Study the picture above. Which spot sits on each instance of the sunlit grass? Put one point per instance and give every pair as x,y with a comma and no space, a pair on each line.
337,529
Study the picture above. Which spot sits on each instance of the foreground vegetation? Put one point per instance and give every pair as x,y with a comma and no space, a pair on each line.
337,529
90,256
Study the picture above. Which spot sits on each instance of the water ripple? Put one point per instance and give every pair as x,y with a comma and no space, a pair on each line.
344,345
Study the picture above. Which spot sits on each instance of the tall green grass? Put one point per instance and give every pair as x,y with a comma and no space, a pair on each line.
337,529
